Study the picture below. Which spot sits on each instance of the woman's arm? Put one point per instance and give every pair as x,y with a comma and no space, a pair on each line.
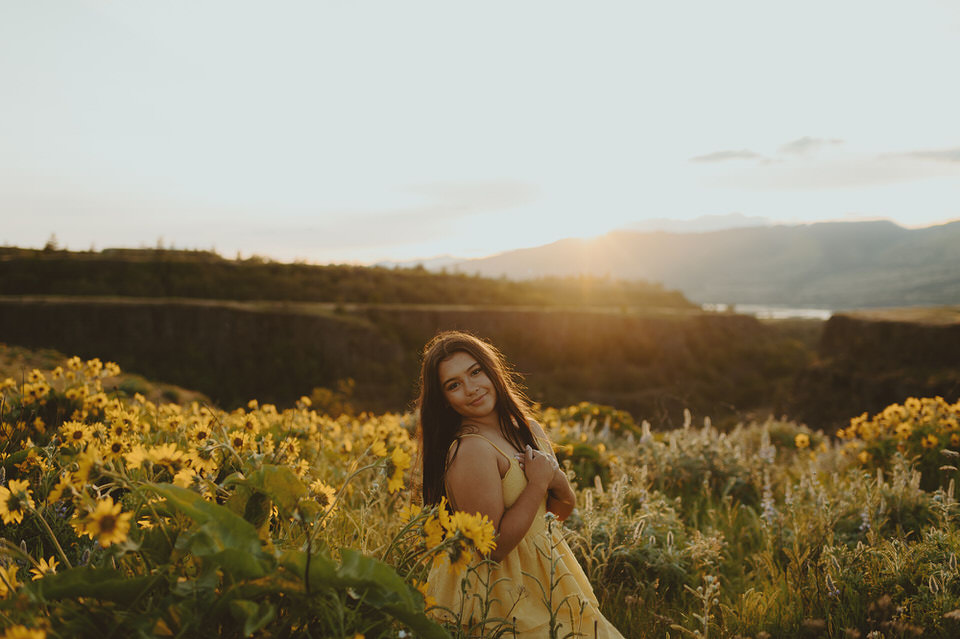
473,481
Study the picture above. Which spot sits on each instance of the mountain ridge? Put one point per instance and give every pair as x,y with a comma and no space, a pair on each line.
824,264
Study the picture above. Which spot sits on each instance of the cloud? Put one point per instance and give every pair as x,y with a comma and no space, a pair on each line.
807,145
723,156
446,207
701,224
473,196
942,155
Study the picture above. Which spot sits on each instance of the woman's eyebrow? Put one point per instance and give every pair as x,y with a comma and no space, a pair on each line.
455,376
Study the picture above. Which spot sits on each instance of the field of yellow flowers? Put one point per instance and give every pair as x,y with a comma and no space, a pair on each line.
123,517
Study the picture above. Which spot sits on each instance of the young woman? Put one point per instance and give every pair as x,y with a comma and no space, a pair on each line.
481,450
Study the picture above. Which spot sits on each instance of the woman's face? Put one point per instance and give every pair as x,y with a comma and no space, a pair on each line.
466,386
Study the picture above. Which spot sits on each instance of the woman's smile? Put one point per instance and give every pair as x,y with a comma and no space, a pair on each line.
477,401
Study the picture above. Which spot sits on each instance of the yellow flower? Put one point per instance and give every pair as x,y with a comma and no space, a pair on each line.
323,493
64,485
241,440
94,366
22,632
44,567
185,477
409,512
168,456
802,440
115,449
8,580
423,586
8,383
378,448
97,400
35,376
929,441
444,515
251,424
475,528
460,557
864,457
904,430
74,363
15,501
136,457
432,532
76,434
955,439
202,461
107,524
200,434
111,369
399,462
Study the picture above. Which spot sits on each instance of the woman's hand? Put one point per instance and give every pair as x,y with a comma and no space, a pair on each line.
539,467
559,479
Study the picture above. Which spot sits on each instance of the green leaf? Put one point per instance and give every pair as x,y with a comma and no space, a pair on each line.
377,583
280,483
220,535
252,615
96,583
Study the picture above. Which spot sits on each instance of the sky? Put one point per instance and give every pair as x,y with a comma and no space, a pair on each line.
355,131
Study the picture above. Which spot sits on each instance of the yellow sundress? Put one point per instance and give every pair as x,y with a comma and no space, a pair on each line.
515,593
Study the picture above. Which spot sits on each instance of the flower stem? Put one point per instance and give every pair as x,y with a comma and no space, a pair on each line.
53,537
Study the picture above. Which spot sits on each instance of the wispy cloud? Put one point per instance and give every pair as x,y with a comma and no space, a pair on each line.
806,145
723,156
941,155
471,196
447,206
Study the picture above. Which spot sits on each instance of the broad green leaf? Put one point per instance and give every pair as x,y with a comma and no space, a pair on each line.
252,615
221,536
280,483
96,583
377,583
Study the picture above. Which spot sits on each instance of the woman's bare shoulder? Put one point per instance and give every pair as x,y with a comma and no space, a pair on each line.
470,452
473,478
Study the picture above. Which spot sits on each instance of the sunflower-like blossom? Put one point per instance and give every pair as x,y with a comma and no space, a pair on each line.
107,524
399,462
15,501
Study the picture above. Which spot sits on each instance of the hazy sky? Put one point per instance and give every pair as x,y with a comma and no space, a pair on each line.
358,131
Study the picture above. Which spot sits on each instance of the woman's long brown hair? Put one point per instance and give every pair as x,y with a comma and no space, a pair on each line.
439,423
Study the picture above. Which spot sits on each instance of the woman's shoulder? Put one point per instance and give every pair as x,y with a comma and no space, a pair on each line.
472,444
473,460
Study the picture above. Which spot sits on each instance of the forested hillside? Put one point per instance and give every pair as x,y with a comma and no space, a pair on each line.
205,275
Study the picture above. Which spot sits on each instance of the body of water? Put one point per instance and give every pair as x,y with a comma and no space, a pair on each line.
770,312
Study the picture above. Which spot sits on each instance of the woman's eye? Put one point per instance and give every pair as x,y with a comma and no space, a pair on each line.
475,371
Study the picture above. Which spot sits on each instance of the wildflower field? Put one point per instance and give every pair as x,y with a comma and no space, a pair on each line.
124,517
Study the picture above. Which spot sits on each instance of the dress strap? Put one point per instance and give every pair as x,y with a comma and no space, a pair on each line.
488,441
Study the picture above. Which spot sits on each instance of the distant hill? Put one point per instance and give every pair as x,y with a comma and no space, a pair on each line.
153,273
828,265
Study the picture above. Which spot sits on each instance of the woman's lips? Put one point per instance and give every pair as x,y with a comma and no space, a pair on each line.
478,400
